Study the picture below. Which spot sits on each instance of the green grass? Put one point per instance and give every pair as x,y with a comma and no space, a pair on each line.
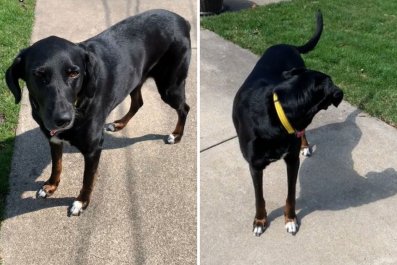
358,47
16,21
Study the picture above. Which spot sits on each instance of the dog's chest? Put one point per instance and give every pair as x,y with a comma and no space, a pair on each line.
274,155
279,157
56,140
271,150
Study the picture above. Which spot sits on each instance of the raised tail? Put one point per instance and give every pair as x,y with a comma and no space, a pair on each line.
315,38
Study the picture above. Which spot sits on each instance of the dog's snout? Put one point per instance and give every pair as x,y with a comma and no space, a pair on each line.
63,120
338,96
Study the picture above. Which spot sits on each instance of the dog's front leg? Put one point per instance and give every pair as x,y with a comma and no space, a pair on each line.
260,221
91,162
51,185
291,223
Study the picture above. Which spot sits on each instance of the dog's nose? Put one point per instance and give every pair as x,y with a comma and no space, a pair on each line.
63,120
338,96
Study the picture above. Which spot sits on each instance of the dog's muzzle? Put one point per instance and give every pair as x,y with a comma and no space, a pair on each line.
337,97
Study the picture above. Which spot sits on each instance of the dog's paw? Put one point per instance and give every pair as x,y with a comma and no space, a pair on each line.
258,230
41,193
76,209
292,226
174,138
306,151
110,127
171,139
259,226
46,191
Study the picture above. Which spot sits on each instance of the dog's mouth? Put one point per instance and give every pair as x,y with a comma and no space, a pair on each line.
61,128
53,132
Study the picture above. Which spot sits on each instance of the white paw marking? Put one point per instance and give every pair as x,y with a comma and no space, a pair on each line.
41,193
171,139
306,151
76,208
110,127
258,230
291,227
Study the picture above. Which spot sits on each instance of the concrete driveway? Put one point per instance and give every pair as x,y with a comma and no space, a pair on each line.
347,191
143,208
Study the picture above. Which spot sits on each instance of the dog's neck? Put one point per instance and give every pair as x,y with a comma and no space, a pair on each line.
284,119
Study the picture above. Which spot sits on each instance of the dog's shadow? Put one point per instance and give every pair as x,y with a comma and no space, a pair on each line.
328,180
32,156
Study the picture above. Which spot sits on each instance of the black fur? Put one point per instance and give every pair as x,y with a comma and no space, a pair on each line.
302,93
73,87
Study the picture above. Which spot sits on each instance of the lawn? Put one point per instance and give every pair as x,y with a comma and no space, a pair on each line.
358,47
16,19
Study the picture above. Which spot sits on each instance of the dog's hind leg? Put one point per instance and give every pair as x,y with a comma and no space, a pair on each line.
176,135
291,223
51,185
170,77
175,97
260,221
305,147
136,104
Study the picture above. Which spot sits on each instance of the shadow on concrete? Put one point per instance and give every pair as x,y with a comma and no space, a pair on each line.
229,6
237,5
328,181
34,140
129,11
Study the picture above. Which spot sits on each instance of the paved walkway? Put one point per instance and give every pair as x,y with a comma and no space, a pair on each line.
347,191
143,208
236,5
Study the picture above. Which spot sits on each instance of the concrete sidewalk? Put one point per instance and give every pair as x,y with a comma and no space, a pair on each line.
347,191
143,208
237,5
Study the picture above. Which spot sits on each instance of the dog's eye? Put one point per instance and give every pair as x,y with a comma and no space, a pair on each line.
39,72
40,75
73,73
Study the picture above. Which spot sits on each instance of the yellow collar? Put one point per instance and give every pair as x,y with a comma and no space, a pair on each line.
281,115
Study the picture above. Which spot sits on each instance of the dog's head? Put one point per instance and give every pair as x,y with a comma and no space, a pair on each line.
57,73
304,93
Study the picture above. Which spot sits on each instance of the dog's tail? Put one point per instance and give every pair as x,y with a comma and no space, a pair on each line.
316,37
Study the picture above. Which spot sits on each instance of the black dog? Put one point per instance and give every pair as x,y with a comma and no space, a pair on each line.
74,87
271,110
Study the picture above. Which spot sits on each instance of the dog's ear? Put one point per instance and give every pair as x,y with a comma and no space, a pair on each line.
90,72
294,71
13,74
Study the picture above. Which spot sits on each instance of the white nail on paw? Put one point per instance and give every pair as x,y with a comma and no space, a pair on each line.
291,227
41,193
110,127
76,208
306,151
258,230
171,139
